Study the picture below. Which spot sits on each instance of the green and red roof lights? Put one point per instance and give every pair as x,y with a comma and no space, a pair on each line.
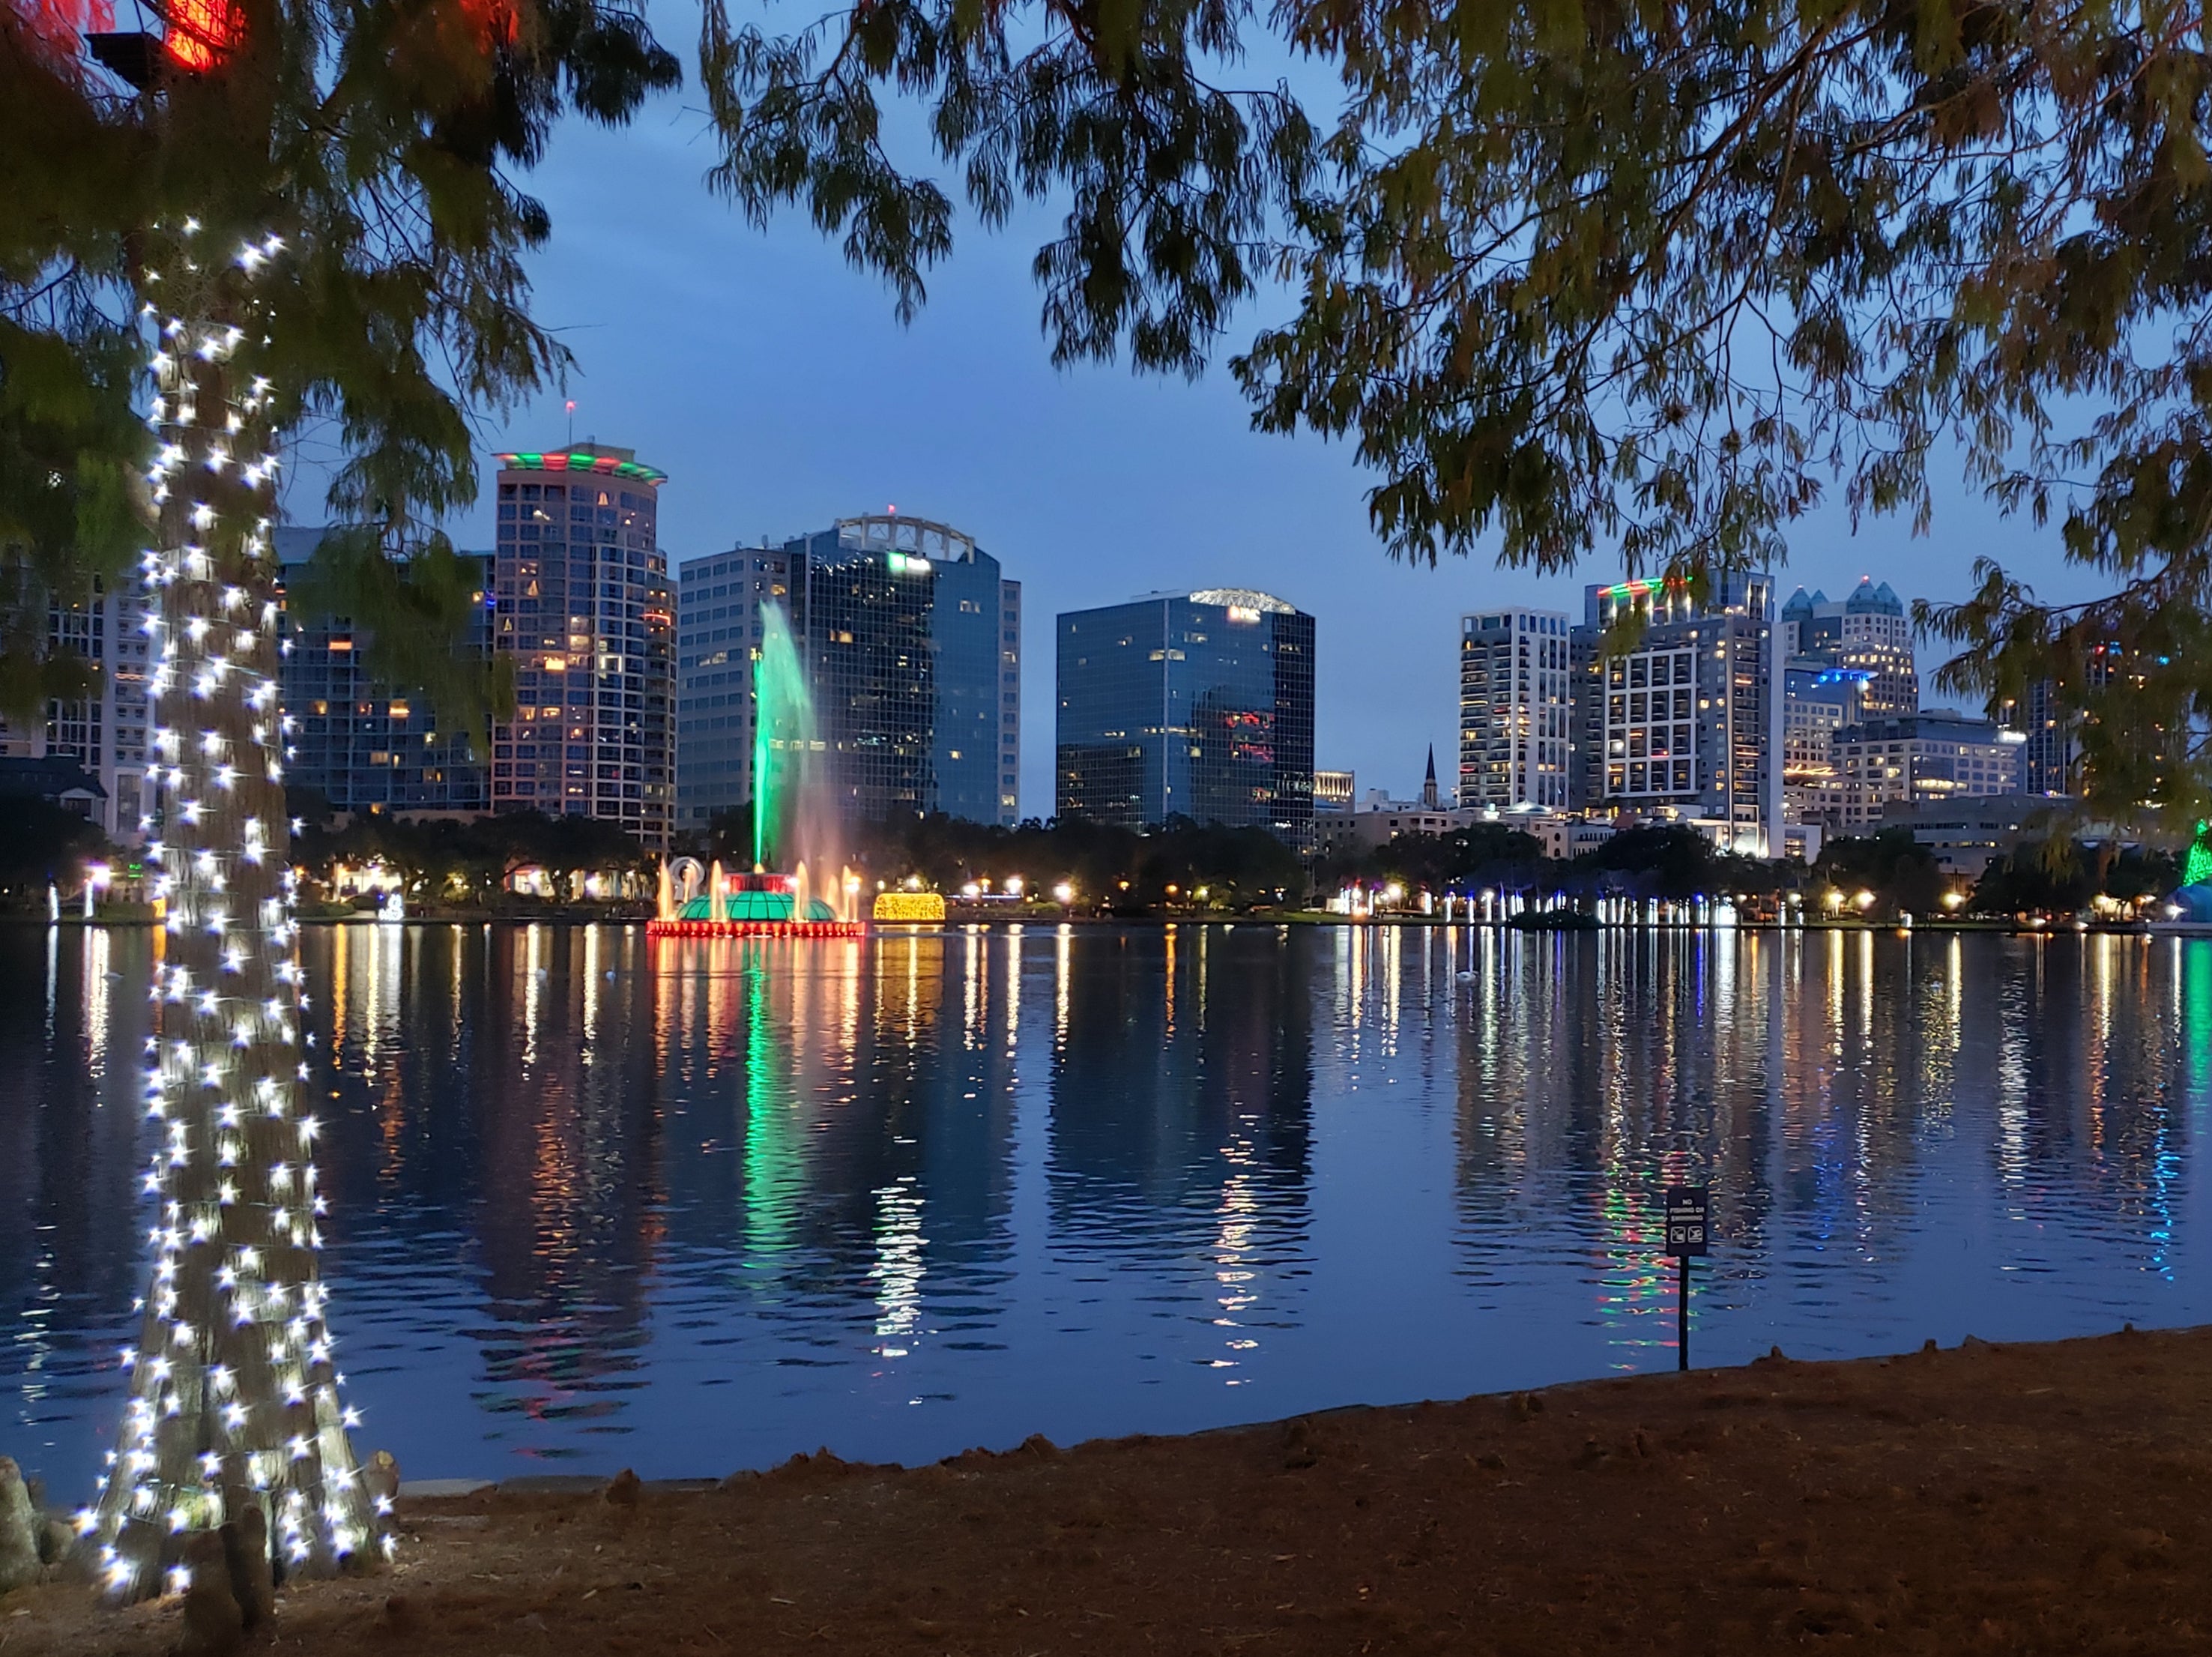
1642,588
603,466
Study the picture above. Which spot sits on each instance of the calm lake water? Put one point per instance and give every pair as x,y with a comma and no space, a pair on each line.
600,1201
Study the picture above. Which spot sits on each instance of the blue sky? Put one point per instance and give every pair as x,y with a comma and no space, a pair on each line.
778,392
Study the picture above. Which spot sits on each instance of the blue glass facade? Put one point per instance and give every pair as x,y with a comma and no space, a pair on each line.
1197,705
911,639
718,628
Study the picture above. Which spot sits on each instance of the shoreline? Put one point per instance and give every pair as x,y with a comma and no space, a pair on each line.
2015,1498
956,921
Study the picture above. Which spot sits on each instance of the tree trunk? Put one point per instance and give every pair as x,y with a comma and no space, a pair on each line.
234,1399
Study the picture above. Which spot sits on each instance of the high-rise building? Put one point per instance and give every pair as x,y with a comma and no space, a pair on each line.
719,603
1514,735
911,637
1197,705
1868,633
1586,720
1688,720
105,733
1817,702
583,606
361,744
2051,749
1333,792
2051,758
1934,756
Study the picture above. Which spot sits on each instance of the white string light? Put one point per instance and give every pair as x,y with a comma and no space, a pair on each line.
233,1395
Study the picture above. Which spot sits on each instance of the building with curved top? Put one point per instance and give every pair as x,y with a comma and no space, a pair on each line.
1193,705
911,637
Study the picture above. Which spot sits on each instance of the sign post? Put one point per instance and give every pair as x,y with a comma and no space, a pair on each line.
1689,1223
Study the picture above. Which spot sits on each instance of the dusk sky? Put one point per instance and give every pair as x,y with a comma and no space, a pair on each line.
778,391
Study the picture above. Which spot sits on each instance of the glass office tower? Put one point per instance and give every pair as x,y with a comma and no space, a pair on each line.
1196,705
911,638
583,607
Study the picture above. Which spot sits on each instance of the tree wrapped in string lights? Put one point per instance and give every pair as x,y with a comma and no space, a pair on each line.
277,215
234,1392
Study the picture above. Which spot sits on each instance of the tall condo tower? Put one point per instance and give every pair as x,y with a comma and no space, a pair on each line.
1688,720
105,733
582,605
1513,713
362,745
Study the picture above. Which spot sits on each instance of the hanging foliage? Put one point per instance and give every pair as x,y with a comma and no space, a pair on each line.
1644,279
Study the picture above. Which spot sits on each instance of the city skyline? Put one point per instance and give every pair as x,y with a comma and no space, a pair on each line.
454,782
1091,485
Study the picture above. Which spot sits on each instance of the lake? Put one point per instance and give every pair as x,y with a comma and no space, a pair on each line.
598,1201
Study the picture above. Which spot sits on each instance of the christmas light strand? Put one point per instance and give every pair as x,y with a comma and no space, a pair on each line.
235,1395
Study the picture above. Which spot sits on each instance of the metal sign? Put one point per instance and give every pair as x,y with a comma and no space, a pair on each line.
1689,1220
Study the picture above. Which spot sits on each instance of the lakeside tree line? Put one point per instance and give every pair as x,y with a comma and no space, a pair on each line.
1183,865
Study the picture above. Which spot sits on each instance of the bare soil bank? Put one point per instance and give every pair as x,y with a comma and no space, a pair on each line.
2051,1498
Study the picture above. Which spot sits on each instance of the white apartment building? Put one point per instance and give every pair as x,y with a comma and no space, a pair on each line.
1923,758
105,733
1514,710
1688,723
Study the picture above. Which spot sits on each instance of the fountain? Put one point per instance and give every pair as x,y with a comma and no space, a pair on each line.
790,811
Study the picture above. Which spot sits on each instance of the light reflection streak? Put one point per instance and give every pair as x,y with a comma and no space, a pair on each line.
898,1269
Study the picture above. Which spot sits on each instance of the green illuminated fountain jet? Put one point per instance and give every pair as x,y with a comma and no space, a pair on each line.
783,724
761,901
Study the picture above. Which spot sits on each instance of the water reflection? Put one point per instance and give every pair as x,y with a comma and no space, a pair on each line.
691,1204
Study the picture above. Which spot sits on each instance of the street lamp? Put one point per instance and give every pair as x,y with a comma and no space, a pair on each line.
1064,893
1865,900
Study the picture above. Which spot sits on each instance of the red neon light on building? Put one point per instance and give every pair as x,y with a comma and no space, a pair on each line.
496,26
202,34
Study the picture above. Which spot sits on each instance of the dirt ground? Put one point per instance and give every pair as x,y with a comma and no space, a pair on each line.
2020,1499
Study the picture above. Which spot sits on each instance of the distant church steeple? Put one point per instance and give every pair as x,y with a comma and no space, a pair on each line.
1428,801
